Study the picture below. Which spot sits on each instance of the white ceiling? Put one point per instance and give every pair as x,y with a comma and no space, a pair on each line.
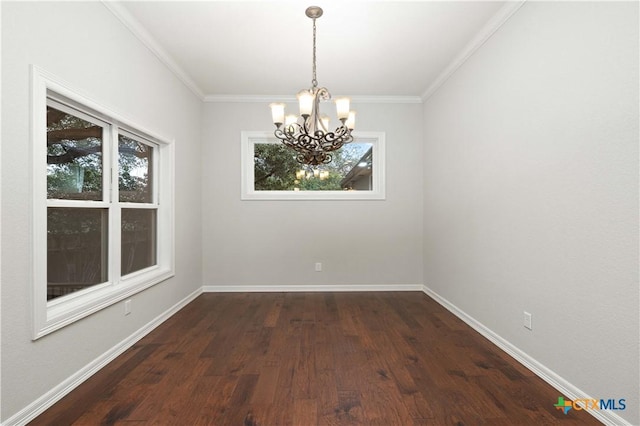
364,48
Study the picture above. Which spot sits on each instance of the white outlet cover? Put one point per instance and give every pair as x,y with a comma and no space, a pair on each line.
528,321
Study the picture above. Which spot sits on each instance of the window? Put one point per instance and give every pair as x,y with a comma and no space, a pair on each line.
103,226
271,172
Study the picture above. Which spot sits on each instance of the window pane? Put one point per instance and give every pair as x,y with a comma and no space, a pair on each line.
276,169
135,176
74,157
76,249
138,239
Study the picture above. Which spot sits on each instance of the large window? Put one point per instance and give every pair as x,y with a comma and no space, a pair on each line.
271,172
103,226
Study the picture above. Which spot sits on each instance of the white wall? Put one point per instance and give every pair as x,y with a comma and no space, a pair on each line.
83,44
276,243
531,191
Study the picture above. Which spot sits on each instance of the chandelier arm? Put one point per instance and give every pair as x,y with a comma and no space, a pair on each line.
314,123
323,94
307,124
315,111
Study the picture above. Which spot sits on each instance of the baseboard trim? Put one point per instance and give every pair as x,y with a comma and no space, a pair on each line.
34,409
308,288
559,383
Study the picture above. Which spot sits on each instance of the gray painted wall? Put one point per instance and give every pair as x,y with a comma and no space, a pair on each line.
108,64
531,191
248,243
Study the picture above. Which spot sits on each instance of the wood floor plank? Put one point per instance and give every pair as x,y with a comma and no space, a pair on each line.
327,396
216,402
303,359
271,319
305,412
304,378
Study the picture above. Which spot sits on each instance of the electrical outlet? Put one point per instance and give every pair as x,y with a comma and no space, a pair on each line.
127,307
527,320
318,266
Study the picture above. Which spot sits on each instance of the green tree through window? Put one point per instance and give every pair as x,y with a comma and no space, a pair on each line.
276,168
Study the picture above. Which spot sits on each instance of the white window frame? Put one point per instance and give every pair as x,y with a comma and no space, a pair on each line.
248,192
52,315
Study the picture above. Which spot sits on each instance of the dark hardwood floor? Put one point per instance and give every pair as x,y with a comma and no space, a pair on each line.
313,358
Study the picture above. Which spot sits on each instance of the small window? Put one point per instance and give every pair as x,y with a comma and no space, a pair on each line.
77,220
103,194
77,249
138,239
135,170
271,171
74,155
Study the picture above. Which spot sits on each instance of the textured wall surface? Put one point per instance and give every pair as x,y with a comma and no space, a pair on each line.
86,46
531,191
278,242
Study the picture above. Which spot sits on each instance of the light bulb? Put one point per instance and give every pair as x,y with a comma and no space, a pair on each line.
277,113
351,120
342,108
305,99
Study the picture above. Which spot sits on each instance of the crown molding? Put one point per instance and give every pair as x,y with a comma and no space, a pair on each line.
502,16
133,25
292,99
138,30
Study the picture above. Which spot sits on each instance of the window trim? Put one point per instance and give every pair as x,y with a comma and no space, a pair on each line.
48,316
248,192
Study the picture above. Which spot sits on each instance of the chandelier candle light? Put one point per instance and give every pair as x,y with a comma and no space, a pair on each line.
308,135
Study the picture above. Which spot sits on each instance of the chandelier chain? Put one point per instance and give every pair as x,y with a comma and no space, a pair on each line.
314,81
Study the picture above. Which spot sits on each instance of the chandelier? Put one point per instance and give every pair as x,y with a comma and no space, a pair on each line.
309,134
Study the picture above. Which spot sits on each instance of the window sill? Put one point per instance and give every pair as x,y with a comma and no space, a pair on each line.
75,306
313,195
